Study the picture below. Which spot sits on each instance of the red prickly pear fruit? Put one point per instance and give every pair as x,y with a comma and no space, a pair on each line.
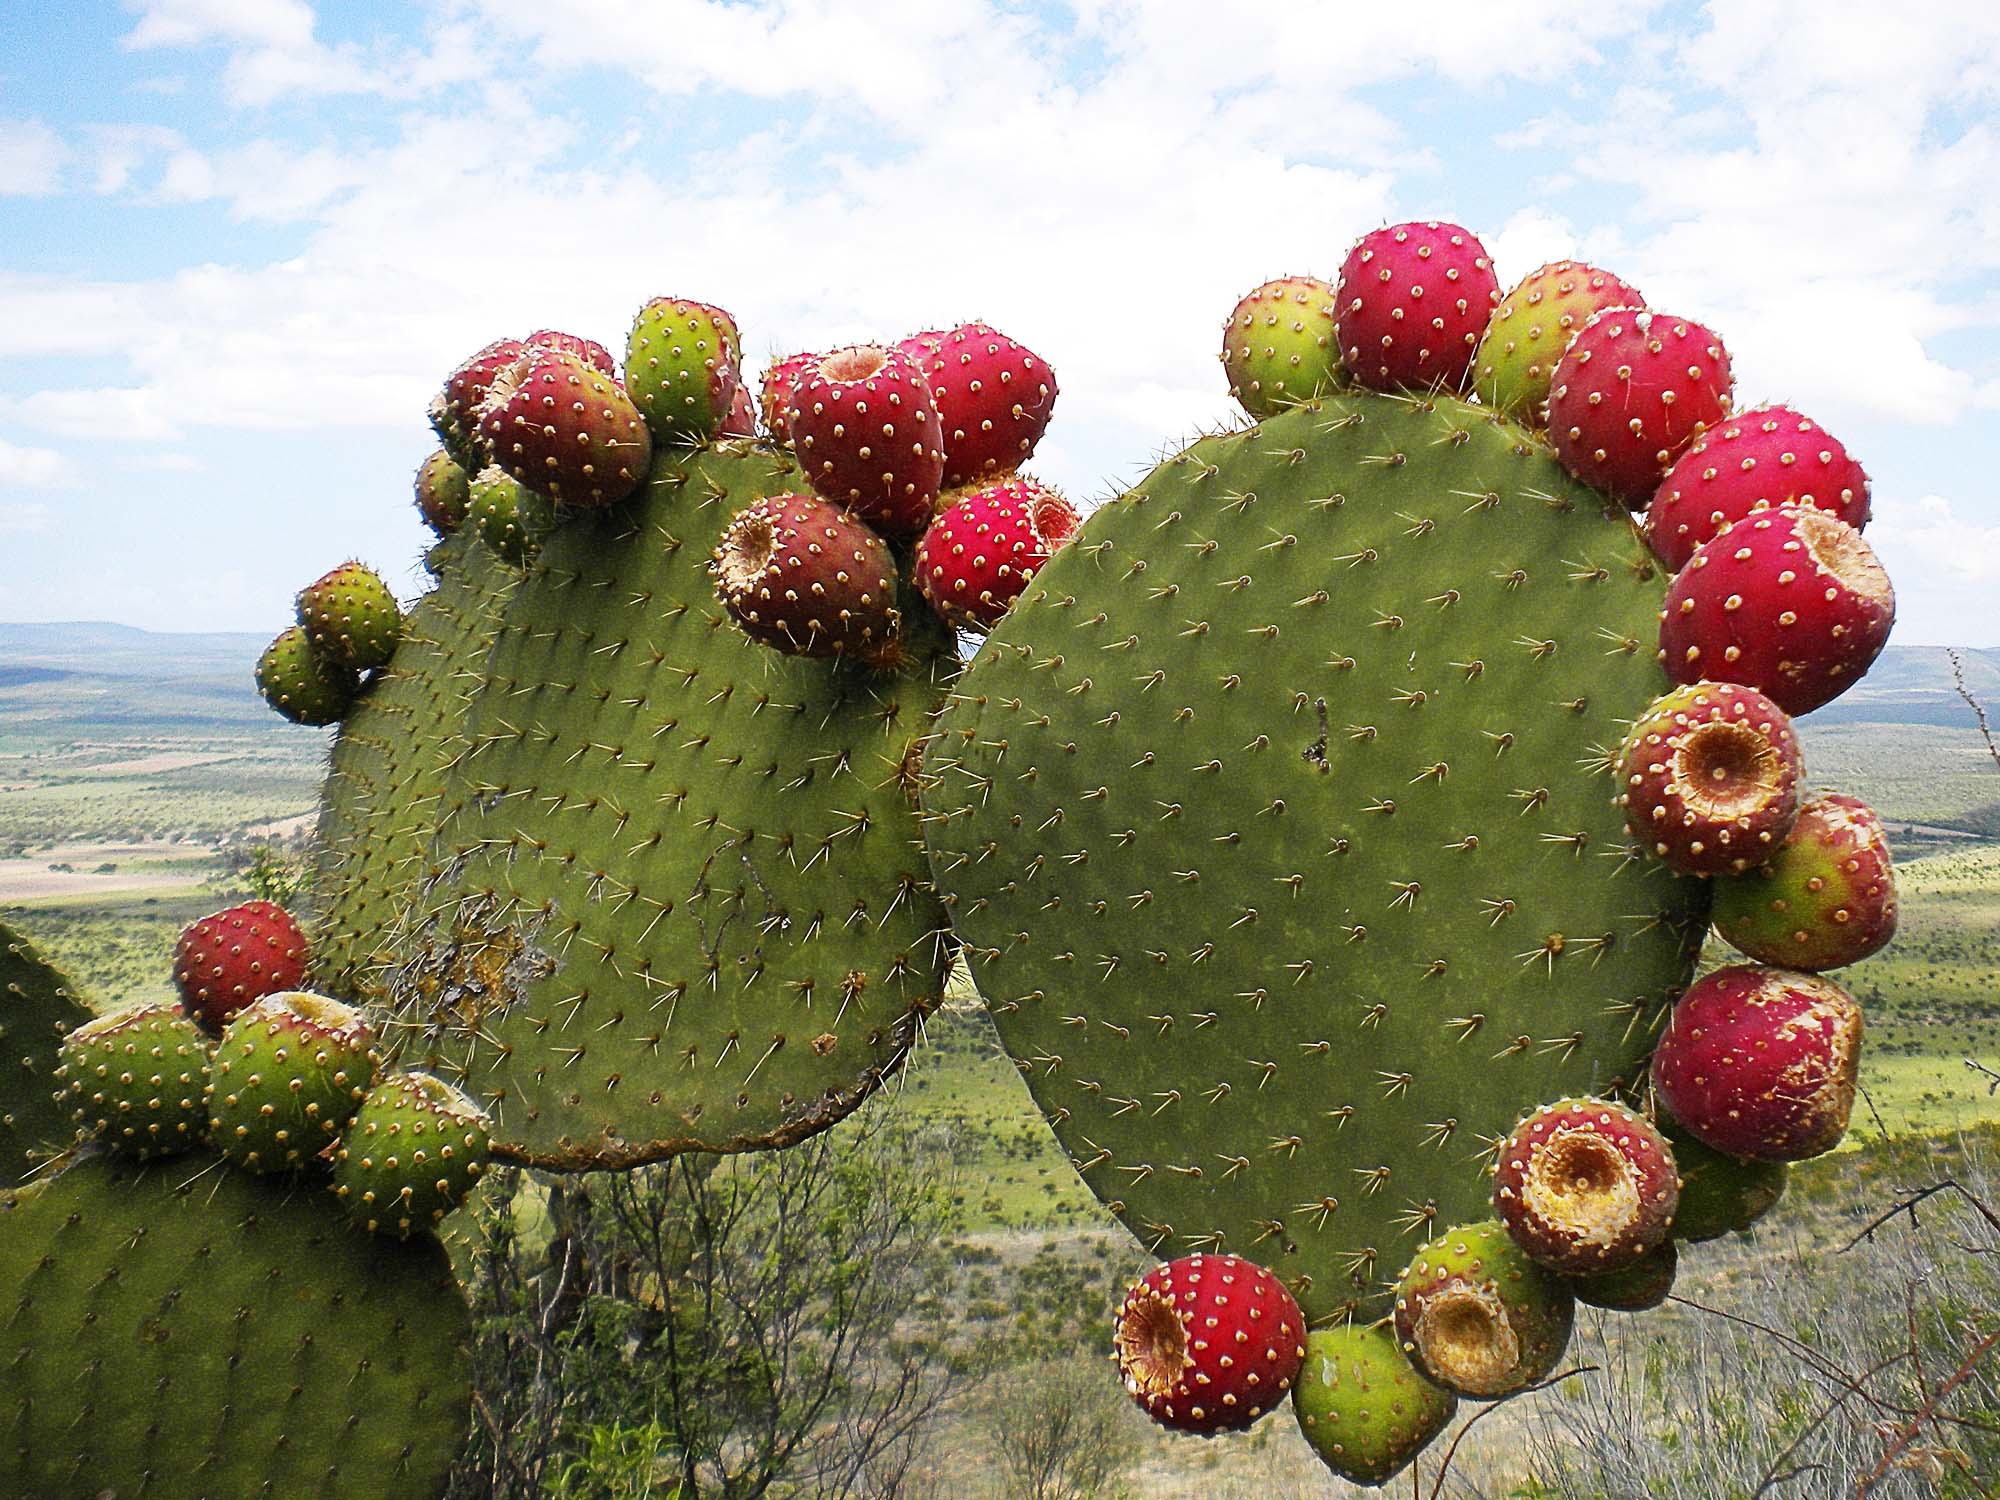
1476,1315
1630,392
983,548
1826,899
444,490
1412,301
1711,778
994,397
1515,364
1791,601
303,685
235,957
809,578
775,391
1281,346
1639,1287
589,351
864,426
683,364
742,419
565,430
1586,1186
455,409
1366,1412
1209,1343
351,617
1720,1194
1761,1062
1755,460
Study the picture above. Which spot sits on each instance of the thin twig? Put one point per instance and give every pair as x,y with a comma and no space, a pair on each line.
1909,1204
1907,1434
1978,711
1444,1466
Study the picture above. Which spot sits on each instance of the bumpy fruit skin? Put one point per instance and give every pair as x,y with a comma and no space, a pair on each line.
683,367
1761,1062
288,1074
1412,301
1515,364
1361,1406
1710,778
994,397
1639,1287
1720,1194
864,426
565,430
1280,345
1474,1313
512,519
301,684
1633,389
1826,899
742,419
235,957
455,409
983,548
1209,1343
1586,1186
1755,460
809,578
135,1078
576,346
1791,601
776,389
443,492
350,617
415,1148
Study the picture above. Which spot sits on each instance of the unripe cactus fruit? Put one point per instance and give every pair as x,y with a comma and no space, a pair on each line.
804,575
443,492
982,549
134,1079
235,957
512,519
865,428
1632,390
683,367
1791,601
1209,1343
994,399
351,618
1412,301
1709,778
415,1148
775,390
288,1073
1761,1062
1642,1285
566,430
1586,1186
301,684
1516,360
1366,1412
1280,345
1474,1313
1825,899
1720,1194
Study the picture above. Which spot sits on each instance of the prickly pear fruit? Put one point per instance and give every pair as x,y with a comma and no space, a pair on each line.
1633,389
589,351
1826,899
235,957
1642,1285
1710,776
350,617
1412,301
301,684
288,1074
512,519
1516,360
1761,1062
1209,1343
775,391
983,548
1361,1405
1280,345
565,430
415,1148
683,366
809,578
1476,1314
742,419
1586,1186
443,492
1791,601
994,398
864,426
1755,460
134,1079
1720,1194
455,410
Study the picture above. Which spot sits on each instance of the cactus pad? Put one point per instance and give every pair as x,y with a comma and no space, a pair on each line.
36,1009
1277,823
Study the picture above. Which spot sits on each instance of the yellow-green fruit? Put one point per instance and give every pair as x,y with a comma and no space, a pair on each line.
1530,329
1473,1312
303,685
135,1079
351,617
414,1151
1363,1407
1280,347
288,1074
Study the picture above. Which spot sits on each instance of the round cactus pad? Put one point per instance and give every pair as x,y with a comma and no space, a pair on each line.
186,1331
36,1009
1277,822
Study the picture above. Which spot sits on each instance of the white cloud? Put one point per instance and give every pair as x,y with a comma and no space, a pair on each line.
1947,566
274,53
19,518
32,468
31,158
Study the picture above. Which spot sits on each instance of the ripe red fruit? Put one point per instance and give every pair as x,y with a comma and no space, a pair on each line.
994,396
455,409
1761,1062
1710,776
1827,898
589,351
864,426
742,419
1209,1343
1586,1186
1411,304
803,575
1751,462
235,957
1531,327
983,548
775,390
565,430
1632,390
1790,601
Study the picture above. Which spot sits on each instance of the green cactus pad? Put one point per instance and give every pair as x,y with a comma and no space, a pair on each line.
685,907
509,517
187,1332
412,1153
137,1079
1475,1313
1366,1412
302,685
1276,820
36,1010
288,1074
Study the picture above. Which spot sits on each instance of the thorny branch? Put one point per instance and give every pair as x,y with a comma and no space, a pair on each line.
1978,710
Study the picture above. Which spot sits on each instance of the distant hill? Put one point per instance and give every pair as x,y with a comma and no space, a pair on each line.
1912,685
75,679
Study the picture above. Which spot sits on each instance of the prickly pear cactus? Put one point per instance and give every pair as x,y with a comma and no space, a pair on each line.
182,1333
1277,823
36,1011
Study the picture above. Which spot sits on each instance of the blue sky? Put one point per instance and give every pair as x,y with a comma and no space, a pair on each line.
241,241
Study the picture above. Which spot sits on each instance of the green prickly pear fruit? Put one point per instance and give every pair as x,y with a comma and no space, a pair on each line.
414,1151
351,617
1635,1288
1476,1314
683,364
444,490
1720,1194
301,684
1516,360
135,1080
1826,899
1364,1409
288,1074
512,519
1280,346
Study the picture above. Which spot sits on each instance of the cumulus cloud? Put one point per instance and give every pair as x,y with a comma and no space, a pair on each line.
32,468
31,158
